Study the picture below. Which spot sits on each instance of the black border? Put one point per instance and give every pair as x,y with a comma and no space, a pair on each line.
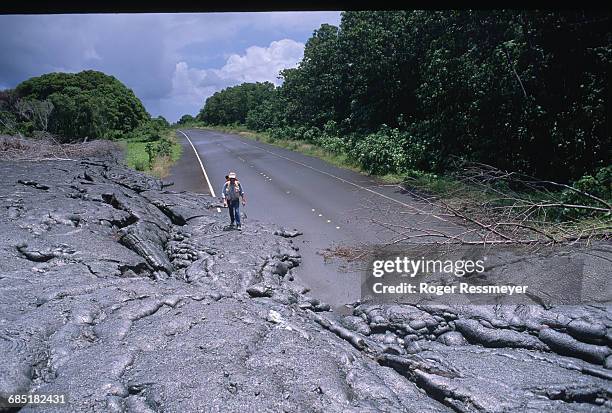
177,6
186,6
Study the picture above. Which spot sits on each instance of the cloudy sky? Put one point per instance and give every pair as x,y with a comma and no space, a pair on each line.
173,62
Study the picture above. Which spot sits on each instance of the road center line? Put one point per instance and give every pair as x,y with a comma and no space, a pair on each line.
210,188
340,179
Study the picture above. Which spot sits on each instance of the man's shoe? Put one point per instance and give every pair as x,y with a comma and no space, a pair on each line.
231,225
239,227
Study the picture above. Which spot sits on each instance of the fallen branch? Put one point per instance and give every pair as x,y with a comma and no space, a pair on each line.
530,217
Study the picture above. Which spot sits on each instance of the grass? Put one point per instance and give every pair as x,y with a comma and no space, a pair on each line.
136,156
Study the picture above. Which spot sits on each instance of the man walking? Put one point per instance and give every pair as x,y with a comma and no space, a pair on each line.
232,192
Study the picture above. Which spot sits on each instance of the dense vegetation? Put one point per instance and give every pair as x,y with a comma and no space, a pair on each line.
399,91
72,106
186,120
232,105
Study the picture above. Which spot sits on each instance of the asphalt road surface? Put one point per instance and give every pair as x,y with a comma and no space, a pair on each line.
333,207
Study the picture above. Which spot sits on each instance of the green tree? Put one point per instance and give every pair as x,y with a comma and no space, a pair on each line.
86,104
310,92
231,105
186,119
521,90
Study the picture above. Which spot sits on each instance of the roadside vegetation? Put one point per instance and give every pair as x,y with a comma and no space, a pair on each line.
71,108
429,97
507,207
152,148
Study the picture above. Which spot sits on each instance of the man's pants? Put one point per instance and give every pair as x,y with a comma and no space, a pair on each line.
234,210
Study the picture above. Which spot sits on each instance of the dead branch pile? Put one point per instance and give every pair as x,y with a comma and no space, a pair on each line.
47,148
500,207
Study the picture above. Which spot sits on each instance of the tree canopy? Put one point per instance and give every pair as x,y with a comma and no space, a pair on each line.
86,104
521,90
186,119
232,104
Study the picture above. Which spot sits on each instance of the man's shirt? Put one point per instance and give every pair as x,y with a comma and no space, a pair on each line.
231,191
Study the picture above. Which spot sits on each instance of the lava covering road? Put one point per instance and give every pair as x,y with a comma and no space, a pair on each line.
124,296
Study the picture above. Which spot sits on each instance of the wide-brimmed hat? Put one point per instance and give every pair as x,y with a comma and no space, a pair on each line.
232,175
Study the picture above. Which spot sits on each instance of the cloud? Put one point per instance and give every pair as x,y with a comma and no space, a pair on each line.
127,47
191,86
147,51
263,63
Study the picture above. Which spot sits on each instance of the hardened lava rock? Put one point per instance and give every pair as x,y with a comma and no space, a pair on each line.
127,297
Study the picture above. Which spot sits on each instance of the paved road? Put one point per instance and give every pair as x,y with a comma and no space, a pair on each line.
330,205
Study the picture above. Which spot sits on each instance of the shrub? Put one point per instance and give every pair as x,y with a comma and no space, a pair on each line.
331,128
287,132
140,165
332,144
148,132
388,151
312,134
599,185
298,133
164,147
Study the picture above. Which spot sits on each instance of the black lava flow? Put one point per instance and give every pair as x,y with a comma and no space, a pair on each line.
128,297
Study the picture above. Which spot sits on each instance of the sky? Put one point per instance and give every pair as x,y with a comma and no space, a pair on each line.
172,62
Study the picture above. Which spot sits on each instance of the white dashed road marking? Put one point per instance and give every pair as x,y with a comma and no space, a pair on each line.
412,207
296,162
